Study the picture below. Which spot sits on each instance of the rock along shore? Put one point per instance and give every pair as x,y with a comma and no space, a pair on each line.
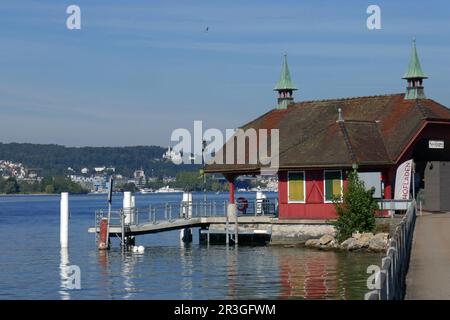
366,241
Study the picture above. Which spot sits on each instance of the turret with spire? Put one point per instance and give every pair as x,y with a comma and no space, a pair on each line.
414,75
285,86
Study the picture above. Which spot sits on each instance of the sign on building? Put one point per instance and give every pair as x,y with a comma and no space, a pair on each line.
436,144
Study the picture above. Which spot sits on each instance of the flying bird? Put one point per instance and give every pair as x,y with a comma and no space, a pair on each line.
207,29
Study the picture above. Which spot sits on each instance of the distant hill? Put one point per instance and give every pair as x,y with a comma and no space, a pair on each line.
55,159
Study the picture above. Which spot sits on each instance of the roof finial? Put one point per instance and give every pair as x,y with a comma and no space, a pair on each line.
414,75
285,86
414,68
340,118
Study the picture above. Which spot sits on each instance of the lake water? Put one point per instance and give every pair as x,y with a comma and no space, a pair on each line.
30,260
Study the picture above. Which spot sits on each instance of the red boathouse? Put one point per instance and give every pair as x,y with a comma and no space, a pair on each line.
320,141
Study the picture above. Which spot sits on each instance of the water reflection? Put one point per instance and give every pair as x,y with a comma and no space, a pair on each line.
309,278
232,267
129,261
164,271
64,274
106,279
103,258
187,270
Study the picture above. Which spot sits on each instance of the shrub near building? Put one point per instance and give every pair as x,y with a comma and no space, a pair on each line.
356,211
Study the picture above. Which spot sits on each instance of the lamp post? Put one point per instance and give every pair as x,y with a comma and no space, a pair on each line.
204,175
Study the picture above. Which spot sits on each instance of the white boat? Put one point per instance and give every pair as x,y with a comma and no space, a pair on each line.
167,189
146,190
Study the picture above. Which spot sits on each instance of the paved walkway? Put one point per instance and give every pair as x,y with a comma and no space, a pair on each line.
429,269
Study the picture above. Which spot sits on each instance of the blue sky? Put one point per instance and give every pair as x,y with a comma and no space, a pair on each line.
139,69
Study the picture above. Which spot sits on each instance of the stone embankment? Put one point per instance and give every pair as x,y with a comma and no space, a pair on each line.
358,241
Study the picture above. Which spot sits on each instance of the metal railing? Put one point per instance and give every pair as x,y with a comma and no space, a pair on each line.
391,278
393,204
170,211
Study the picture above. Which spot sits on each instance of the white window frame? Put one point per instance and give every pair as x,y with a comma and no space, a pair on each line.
304,186
325,190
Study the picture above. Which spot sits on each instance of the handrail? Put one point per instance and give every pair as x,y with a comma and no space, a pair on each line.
169,211
391,278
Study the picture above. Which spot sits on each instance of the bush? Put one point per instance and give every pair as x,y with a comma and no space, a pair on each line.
10,186
357,210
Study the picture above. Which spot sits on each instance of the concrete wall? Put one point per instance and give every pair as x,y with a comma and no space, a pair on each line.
286,233
432,186
445,186
437,186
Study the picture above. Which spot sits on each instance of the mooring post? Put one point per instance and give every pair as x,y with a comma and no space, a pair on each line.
227,236
133,212
122,224
186,233
127,206
103,240
236,226
110,193
64,220
232,214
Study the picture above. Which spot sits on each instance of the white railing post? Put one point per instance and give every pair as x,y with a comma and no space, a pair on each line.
64,220
127,204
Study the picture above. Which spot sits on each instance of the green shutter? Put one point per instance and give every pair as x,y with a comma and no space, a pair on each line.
296,186
332,185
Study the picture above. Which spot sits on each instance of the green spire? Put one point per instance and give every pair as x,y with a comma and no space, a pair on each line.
414,68
414,76
285,82
285,86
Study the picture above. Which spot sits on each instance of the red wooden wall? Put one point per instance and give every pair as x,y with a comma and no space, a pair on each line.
315,207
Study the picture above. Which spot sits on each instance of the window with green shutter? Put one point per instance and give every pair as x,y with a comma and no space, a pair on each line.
333,185
296,186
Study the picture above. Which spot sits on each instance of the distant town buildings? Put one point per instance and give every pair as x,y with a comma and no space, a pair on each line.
10,169
171,155
139,178
99,169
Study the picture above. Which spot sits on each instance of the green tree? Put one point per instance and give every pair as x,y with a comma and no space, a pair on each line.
357,210
49,188
156,184
46,181
10,186
60,184
128,187
215,186
30,187
189,180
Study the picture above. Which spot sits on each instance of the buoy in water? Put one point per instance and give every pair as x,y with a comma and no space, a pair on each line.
141,249
103,242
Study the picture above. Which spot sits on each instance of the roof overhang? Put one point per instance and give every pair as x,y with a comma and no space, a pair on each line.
418,133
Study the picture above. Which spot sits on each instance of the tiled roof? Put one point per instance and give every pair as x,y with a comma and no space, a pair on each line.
375,131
